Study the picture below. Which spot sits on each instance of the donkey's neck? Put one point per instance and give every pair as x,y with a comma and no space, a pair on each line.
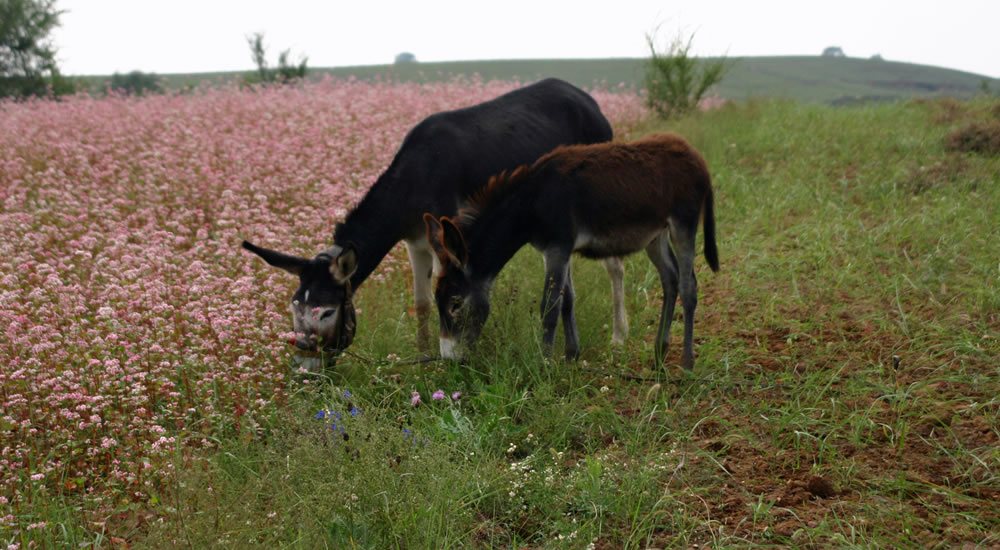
373,227
497,234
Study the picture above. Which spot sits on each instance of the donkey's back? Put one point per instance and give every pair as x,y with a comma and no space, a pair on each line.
620,196
449,156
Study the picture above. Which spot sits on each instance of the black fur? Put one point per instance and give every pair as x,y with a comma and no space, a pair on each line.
443,161
449,156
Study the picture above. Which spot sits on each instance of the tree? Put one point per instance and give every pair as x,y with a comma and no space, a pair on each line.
136,83
405,57
675,81
285,72
27,58
833,51
984,88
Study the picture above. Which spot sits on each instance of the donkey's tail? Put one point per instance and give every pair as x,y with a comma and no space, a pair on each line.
711,252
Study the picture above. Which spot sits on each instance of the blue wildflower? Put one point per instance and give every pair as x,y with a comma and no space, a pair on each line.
321,414
347,394
355,411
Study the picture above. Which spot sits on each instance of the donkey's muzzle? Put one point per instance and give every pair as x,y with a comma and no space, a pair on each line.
343,333
336,339
306,344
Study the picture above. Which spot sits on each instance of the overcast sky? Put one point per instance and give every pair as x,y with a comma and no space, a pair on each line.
182,36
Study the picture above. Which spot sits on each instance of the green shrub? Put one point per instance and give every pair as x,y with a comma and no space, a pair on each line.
136,83
675,82
977,137
285,72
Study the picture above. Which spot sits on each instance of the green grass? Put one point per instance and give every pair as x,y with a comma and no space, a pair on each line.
847,237
804,78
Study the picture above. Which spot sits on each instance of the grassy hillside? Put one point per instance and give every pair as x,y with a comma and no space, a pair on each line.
810,79
845,393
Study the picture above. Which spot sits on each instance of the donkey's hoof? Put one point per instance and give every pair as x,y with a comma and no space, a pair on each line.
661,351
687,362
424,346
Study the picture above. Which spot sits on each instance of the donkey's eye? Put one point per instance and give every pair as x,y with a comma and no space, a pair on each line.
456,305
327,313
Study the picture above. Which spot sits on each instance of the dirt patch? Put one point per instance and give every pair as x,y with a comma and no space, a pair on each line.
976,433
944,110
490,535
756,475
977,137
799,490
936,173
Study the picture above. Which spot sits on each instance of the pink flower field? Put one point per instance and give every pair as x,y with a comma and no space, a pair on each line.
134,328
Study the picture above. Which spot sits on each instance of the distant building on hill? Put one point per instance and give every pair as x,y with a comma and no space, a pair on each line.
833,51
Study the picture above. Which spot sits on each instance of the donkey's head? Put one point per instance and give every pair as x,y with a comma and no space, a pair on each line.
322,310
463,302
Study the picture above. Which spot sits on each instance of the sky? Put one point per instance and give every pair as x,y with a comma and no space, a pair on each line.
187,36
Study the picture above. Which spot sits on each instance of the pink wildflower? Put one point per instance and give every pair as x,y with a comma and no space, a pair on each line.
438,395
415,399
186,321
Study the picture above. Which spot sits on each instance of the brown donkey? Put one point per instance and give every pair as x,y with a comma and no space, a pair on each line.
602,201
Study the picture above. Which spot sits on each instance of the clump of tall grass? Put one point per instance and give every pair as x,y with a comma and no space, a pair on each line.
977,137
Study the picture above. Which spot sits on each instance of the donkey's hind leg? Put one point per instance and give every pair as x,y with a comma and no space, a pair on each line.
557,264
682,239
663,258
423,263
569,317
616,271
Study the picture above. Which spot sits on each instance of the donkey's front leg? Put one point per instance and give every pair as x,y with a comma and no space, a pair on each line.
616,271
423,263
556,275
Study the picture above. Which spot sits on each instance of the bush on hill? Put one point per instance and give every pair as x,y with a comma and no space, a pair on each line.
675,81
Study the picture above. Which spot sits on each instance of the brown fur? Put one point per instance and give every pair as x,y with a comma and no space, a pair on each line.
616,170
634,181
497,186
434,237
616,184
600,201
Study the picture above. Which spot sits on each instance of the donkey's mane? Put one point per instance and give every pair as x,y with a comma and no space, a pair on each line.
499,186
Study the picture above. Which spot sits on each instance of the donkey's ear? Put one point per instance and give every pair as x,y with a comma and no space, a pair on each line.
454,243
291,264
433,231
343,266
